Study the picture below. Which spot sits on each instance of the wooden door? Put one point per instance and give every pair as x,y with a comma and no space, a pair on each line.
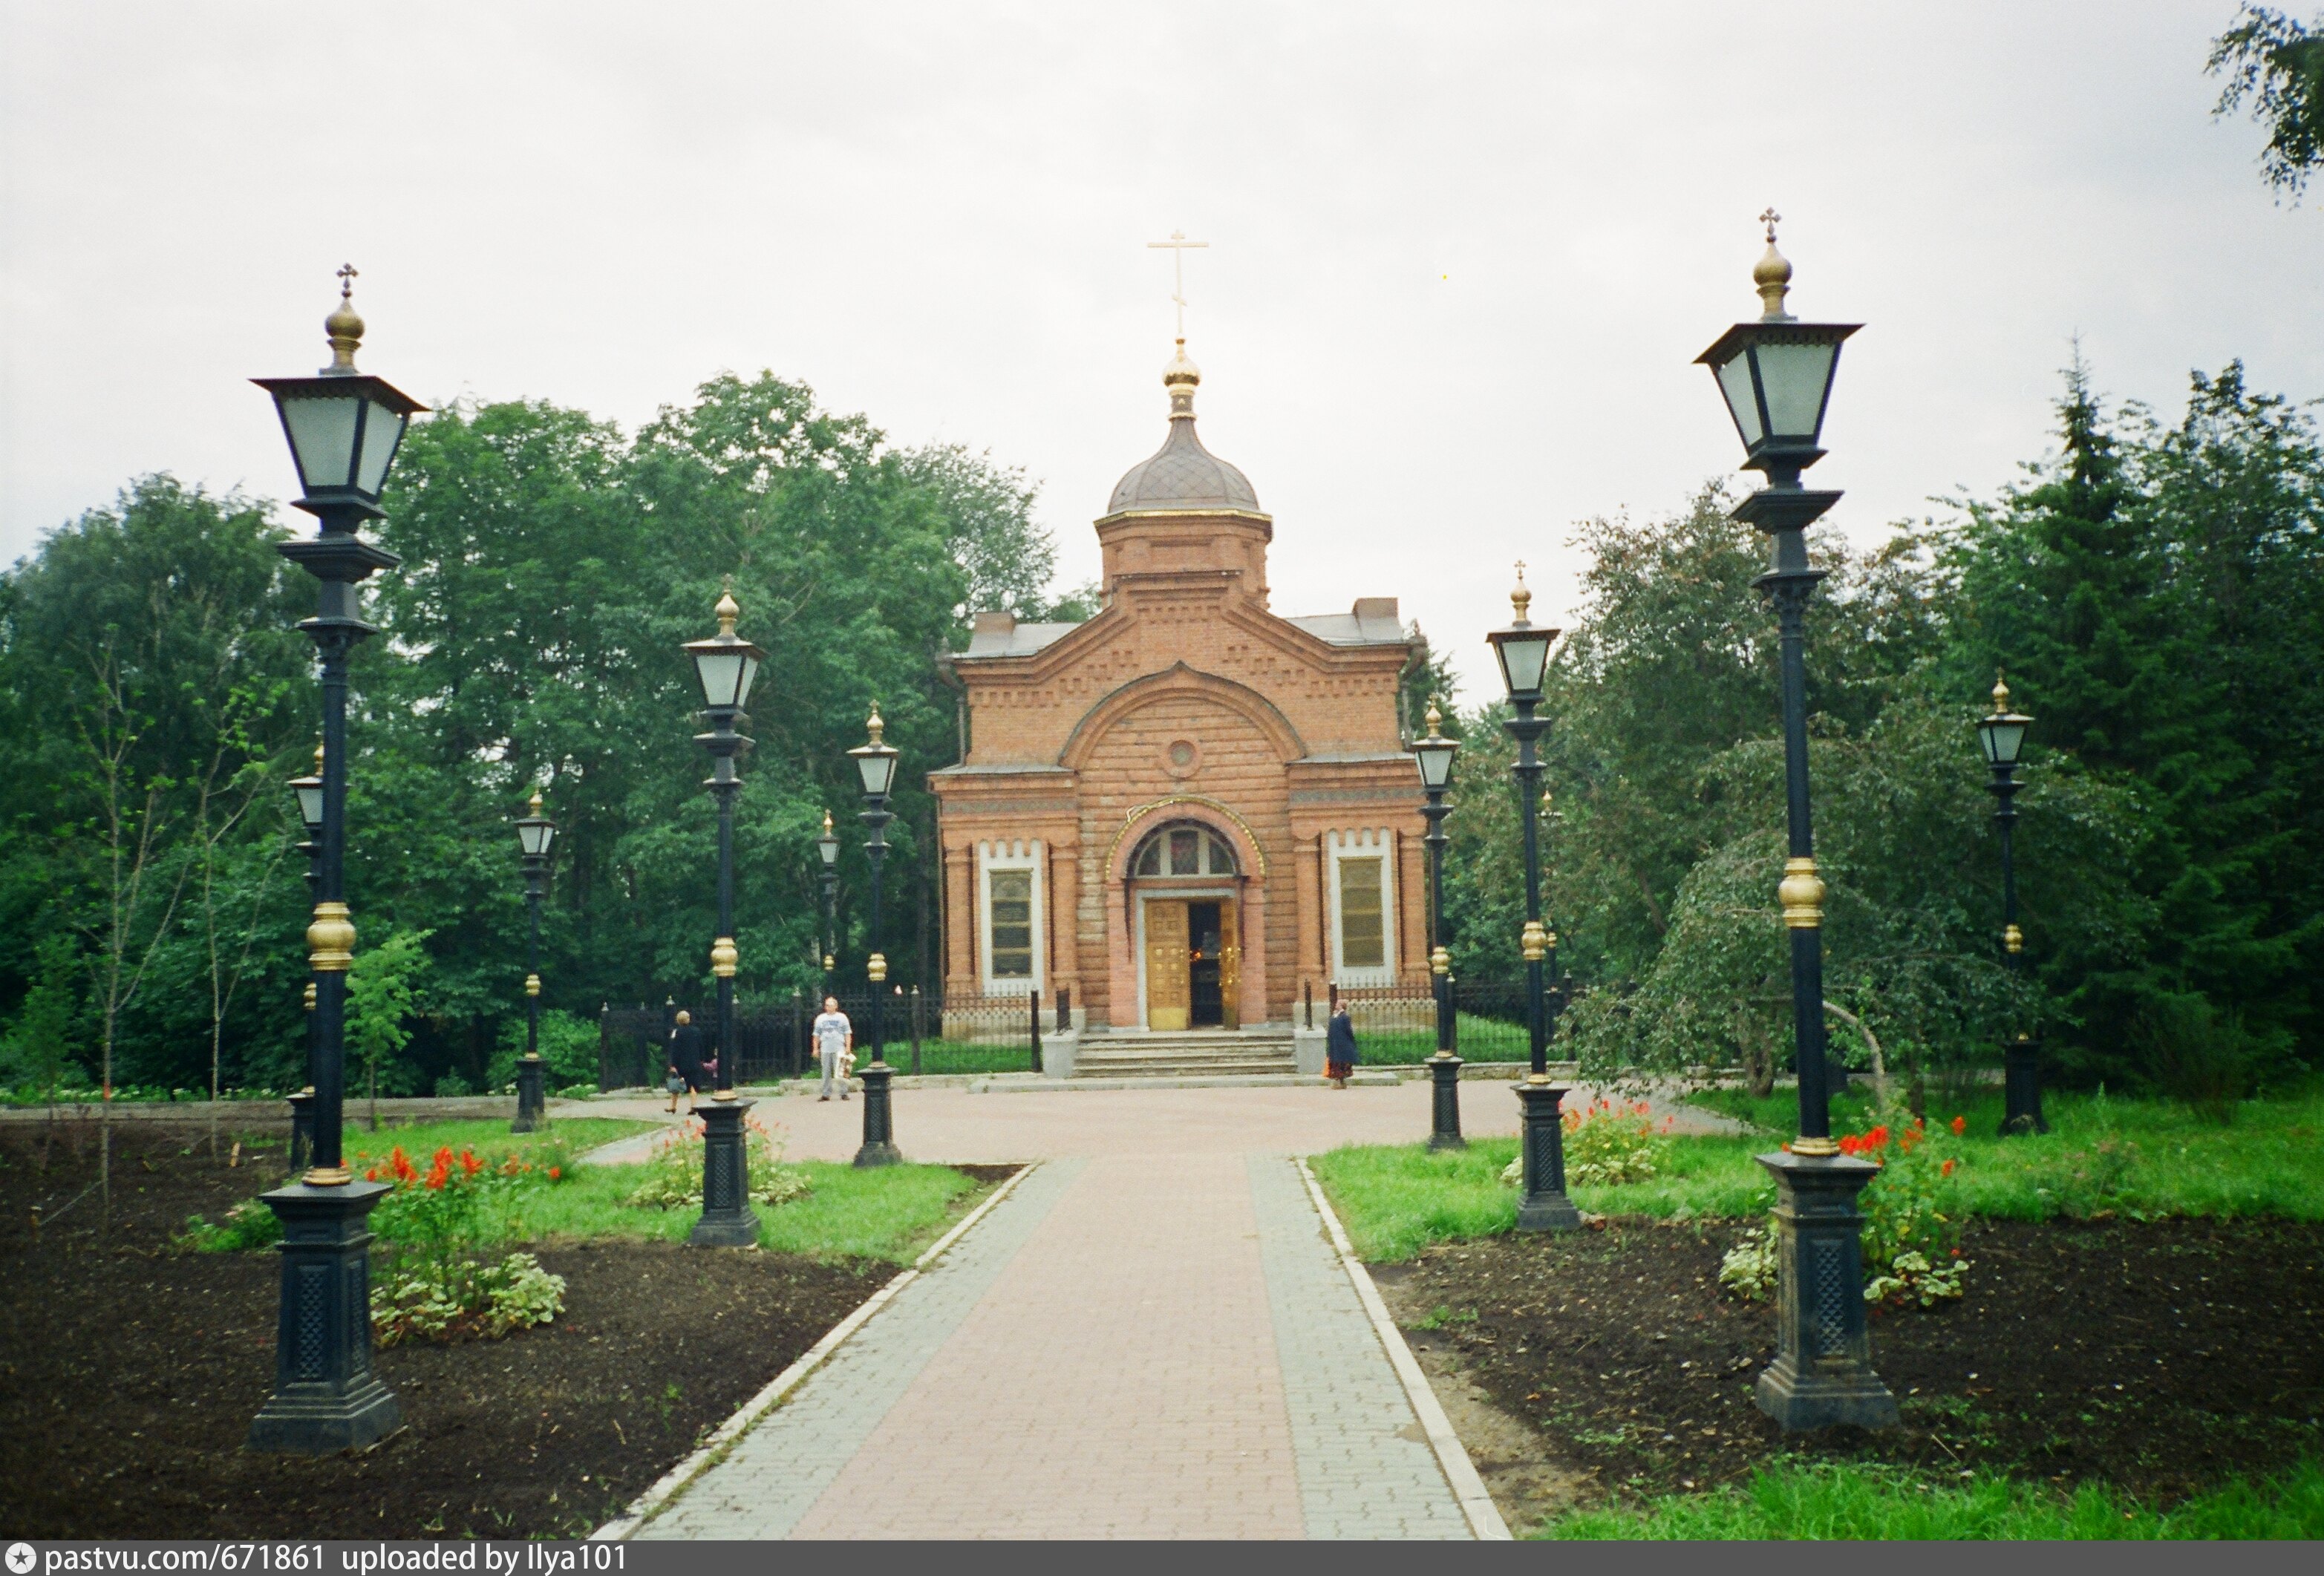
1229,963
1169,993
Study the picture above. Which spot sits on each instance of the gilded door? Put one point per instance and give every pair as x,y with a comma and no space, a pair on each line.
1229,963
1169,987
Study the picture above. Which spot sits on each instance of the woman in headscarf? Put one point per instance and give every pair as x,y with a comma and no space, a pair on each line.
686,1059
1339,1053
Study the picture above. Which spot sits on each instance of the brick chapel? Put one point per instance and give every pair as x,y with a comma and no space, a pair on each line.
1189,811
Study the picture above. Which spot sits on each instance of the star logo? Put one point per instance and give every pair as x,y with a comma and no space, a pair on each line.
21,1558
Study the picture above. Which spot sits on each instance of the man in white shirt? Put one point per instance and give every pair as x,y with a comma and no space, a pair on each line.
835,1037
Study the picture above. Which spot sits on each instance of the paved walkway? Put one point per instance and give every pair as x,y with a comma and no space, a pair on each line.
1131,1345
958,1127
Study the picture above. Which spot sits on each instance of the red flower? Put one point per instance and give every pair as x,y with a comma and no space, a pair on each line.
1960,1126
555,1172
372,1174
401,1164
469,1163
1948,1169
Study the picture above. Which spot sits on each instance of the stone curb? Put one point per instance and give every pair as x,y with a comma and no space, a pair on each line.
647,1505
1467,1488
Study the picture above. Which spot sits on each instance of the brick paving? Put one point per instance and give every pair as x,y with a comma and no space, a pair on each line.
1129,1346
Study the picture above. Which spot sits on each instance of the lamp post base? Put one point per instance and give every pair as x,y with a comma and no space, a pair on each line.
326,1398
1823,1373
727,1219
1444,1072
531,1102
1543,1207
2022,1089
879,1119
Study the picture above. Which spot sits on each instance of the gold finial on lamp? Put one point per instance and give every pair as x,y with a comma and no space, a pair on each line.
2000,695
344,328
728,610
1772,275
874,724
1521,595
536,801
1435,719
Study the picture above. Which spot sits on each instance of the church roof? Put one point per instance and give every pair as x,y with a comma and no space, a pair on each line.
1372,622
1000,635
1182,476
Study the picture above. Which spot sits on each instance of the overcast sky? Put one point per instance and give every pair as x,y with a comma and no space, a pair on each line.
1461,256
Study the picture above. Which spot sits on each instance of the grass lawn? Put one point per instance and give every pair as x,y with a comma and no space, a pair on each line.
2104,1154
1797,1499
891,1212
489,1137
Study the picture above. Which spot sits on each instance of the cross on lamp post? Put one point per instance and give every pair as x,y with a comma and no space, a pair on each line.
875,765
1775,375
1522,652
536,837
344,428
724,666
1434,757
2002,735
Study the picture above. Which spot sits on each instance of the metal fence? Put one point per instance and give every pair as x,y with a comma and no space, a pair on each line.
922,1032
1397,1024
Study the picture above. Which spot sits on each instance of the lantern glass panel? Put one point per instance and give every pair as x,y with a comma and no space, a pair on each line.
1524,657
323,438
721,672
1436,763
532,836
1742,399
878,768
1795,378
382,431
829,848
750,673
310,802
2003,738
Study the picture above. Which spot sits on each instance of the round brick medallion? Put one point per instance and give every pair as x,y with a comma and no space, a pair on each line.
1182,758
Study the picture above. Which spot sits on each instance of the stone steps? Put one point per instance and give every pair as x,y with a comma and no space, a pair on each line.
1185,1055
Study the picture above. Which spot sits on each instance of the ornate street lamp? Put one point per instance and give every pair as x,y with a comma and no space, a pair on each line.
2002,736
827,845
306,792
344,428
725,665
1433,756
1775,375
875,764
1522,649
536,838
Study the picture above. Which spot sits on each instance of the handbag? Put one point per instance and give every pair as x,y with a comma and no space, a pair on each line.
677,1084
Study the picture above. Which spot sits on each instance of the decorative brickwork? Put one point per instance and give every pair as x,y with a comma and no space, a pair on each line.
1185,701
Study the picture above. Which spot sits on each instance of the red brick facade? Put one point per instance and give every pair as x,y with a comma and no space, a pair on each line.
1183,702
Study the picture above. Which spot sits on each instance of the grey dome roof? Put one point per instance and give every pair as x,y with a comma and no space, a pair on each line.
1182,474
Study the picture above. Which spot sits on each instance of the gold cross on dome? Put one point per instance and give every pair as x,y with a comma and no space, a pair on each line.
1771,218
346,279
1177,245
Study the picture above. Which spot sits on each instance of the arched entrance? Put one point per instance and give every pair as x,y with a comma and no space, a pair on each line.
1184,889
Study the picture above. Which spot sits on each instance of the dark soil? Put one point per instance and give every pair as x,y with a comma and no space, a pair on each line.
129,1372
2160,1356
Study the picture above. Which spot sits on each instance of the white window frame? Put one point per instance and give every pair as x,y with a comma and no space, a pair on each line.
1371,843
1015,854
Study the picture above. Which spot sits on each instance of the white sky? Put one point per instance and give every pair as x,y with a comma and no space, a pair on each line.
1462,258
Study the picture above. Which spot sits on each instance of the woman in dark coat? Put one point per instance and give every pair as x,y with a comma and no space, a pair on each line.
686,1057
1339,1055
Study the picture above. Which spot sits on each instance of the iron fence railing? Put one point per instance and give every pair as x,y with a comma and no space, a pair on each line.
1397,1024
921,1031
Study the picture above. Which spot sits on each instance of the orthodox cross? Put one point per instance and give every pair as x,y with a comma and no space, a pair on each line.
1177,245
346,279
1771,218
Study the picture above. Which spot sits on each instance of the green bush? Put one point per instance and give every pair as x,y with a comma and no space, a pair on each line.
248,1224
569,1045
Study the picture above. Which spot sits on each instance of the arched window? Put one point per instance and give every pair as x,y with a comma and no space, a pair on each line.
1184,849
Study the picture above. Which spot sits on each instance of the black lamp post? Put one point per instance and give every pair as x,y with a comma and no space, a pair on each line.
1433,756
344,426
536,838
307,792
827,845
1775,375
725,665
1522,649
875,763
2002,735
